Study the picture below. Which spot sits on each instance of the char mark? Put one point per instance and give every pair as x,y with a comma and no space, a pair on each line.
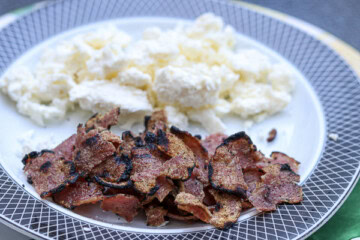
146,121
150,138
234,137
124,159
72,167
127,184
161,138
286,167
126,134
44,167
92,140
60,187
29,180
94,116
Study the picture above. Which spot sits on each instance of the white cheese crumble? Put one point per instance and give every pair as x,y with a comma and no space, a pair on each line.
29,142
333,136
193,71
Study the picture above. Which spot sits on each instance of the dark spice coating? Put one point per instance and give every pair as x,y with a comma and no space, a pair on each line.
45,166
92,140
161,138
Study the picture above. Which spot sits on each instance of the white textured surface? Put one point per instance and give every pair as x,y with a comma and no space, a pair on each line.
201,66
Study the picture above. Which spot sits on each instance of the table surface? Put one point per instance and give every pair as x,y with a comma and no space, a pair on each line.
334,16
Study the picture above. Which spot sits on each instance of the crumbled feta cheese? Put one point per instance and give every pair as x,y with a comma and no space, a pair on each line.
30,142
257,100
107,62
208,120
176,118
333,136
86,229
185,70
251,65
186,87
100,96
281,78
133,77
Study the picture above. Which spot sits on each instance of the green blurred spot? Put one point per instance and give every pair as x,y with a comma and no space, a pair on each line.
23,10
345,224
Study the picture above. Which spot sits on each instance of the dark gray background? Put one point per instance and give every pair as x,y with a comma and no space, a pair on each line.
339,17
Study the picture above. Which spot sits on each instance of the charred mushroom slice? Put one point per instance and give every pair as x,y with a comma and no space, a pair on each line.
93,148
194,187
191,204
114,169
79,193
182,161
282,158
227,210
279,185
157,121
126,206
272,135
212,141
129,142
225,168
155,216
178,168
66,148
165,187
103,121
193,143
201,154
276,158
252,176
146,169
49,172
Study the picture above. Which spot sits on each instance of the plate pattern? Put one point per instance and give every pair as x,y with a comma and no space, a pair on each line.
333,80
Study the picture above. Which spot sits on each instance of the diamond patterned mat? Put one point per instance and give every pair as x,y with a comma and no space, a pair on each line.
333,80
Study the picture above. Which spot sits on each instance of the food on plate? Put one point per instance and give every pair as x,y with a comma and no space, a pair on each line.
164,171
197,71
272,135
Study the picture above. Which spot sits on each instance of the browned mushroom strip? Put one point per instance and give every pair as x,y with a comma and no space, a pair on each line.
227,210
79,193
155,216
126,206
191,204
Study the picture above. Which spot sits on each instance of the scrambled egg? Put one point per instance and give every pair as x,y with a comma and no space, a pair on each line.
194,72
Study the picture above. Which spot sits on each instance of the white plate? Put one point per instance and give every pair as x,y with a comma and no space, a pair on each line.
301,126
